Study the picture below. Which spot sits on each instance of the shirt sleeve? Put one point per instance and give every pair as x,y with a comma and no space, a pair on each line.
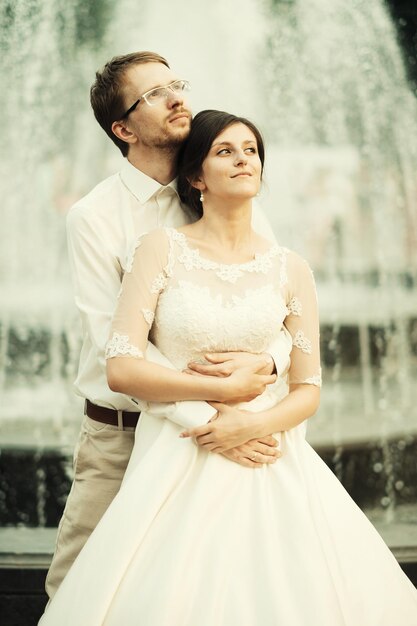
96,277
302,322
280,351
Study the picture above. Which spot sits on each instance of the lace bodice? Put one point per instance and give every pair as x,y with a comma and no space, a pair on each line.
189,305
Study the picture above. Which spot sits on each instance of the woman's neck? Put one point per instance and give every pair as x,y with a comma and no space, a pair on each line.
227,226
226,236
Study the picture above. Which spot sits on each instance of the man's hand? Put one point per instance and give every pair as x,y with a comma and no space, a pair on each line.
244,383
255,453
225,363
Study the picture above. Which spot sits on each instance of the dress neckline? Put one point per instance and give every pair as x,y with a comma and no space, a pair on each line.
206,263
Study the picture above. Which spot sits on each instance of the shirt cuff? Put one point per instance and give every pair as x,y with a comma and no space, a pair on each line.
187,413
192,413
280,351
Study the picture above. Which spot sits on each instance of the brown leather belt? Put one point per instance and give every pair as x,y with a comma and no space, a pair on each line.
110,416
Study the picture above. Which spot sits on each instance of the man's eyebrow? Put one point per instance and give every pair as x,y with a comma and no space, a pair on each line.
154,87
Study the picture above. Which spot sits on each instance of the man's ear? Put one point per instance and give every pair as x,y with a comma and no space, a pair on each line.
122,132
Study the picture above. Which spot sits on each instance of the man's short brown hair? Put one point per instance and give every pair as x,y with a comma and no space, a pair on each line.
106,93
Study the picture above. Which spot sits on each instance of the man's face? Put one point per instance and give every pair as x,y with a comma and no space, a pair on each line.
164,125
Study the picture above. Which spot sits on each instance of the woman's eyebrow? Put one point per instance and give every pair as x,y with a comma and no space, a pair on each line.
228,143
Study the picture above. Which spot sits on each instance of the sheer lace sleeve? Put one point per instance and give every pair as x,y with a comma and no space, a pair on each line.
302,322
146,276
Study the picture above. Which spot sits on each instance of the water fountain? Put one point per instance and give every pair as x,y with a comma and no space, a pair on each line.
327,85
343,119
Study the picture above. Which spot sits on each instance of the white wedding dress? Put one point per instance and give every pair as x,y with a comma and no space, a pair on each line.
193,539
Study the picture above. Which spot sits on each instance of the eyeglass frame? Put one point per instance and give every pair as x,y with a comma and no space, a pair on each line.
143,96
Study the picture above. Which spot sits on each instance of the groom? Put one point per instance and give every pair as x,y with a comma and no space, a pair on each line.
142,106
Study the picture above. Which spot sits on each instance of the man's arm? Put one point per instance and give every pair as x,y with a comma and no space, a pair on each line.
96,277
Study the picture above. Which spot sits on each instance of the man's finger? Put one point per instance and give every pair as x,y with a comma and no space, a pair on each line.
268,441
196,432
265,459
268,380
269,451
205,440
217,357
208,370
240,460
219,406
192,372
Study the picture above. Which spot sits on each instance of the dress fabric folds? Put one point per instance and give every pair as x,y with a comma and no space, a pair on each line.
193,539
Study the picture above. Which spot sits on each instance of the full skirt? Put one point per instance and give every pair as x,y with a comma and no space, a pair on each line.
193,539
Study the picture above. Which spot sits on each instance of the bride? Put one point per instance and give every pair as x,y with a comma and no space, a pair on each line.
193,539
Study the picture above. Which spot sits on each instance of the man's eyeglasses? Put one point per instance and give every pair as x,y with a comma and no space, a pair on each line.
159,94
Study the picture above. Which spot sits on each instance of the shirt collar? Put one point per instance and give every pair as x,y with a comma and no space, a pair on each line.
141,185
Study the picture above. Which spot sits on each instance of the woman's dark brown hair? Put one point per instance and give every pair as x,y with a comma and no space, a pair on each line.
205,127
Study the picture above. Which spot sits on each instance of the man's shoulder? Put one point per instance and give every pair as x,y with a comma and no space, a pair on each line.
101,199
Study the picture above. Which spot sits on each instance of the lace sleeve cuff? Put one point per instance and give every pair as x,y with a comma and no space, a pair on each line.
119,345
313,380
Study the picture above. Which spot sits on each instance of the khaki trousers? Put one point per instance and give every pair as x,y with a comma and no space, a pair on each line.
100,460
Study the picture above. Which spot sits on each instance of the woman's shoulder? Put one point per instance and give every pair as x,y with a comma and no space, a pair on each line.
153,244
156,238
297,265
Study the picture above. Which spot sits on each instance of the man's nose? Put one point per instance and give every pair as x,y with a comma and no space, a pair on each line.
174,98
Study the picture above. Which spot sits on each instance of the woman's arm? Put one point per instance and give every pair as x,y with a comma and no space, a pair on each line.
142,379
129,372
233,427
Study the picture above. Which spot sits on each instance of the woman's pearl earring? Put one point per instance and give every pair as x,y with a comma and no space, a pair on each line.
201,197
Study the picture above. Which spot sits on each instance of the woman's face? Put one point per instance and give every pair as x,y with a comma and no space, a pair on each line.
232,169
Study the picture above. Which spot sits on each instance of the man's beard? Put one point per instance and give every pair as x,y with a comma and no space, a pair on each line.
168,142
166,139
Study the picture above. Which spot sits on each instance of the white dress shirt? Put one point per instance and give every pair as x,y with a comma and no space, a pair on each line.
102,230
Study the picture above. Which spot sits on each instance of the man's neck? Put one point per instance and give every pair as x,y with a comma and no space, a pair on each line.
159,164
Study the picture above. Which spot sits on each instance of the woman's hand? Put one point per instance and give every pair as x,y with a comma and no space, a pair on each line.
229,429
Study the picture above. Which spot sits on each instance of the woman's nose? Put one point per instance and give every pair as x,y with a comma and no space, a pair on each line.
241,158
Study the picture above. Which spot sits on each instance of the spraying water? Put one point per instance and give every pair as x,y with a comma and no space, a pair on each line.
327,85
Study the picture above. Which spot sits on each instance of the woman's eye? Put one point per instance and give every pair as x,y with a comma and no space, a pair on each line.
224,151
253,150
